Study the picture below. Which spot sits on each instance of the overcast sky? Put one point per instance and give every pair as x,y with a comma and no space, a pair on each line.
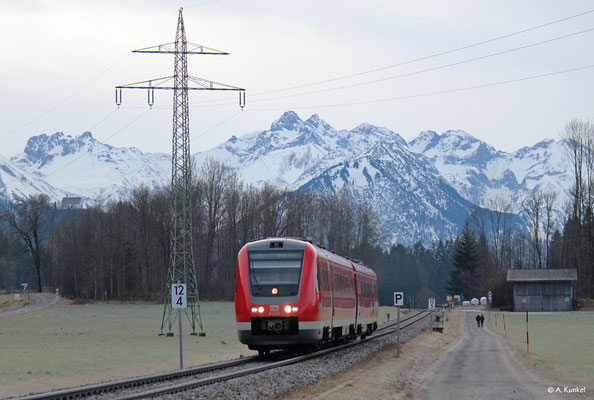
61,60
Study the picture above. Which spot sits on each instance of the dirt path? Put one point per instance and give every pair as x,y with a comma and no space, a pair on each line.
482,367
39,301
386,377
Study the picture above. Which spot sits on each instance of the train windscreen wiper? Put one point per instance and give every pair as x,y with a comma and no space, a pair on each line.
255,278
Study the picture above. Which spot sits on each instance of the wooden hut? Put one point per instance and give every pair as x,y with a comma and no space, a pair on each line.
542,289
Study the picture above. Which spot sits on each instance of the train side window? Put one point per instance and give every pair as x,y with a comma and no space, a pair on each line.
351,284
319,278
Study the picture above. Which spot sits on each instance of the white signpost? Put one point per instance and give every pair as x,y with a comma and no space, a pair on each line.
398,299
431,306
398,302
179,301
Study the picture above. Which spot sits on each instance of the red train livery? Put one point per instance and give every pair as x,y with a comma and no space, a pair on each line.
294,293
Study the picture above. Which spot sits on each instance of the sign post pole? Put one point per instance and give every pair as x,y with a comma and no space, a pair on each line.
179,301
398,335
181,353
398,302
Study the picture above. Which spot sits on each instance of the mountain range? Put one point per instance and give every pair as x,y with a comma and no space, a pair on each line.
421,190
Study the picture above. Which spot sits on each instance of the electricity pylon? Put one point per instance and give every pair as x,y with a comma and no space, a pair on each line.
181,261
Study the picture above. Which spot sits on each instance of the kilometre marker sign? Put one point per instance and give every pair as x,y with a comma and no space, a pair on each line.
178,295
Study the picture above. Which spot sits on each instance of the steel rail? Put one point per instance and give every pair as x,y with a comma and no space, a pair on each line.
99,388
182,387
106,387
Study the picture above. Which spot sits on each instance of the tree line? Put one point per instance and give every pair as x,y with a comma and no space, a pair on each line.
493,240
119,250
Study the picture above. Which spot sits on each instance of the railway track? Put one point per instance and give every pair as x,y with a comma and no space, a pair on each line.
190,378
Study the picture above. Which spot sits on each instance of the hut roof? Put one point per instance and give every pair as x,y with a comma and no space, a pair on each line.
538,275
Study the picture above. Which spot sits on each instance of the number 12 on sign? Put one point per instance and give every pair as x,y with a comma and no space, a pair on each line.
178,295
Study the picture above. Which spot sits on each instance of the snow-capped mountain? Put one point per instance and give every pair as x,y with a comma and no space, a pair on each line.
480,173
87,167
421,190
412,201
293,151
17,184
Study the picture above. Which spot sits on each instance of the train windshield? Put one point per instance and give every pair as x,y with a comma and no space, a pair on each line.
275,273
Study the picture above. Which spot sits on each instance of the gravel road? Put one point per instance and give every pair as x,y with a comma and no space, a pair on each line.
39,301
482,367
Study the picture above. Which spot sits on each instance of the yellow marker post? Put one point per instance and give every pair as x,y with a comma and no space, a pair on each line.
504,326
527,340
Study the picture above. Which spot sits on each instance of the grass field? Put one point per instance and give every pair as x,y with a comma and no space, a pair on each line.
7,302
560,344
69,345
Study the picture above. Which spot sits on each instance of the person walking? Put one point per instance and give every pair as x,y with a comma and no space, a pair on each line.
478,321
482,320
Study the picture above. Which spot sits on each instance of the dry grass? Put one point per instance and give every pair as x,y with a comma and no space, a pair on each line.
7,302
384,376
70,345
560,344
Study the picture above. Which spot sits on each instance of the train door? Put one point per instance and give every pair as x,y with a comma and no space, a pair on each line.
327,298
331,282
357,294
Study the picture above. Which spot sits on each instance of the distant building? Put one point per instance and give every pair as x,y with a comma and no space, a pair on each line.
542,289
71,202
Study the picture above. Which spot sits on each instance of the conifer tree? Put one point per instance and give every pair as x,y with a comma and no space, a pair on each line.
463,277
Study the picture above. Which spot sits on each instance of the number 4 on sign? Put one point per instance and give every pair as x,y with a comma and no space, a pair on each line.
178,295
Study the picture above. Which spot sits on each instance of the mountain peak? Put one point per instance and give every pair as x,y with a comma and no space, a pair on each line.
458,134
316,122
289,121
423,141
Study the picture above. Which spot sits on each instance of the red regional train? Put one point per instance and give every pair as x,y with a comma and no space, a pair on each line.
294,293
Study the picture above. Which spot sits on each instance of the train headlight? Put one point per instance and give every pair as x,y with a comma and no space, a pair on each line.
254,309
260,309
274,290
294,309
287,309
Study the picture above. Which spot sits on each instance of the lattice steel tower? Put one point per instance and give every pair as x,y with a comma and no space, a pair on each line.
181,261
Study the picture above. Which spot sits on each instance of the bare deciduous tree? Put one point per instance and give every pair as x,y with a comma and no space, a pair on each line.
25,219
532,207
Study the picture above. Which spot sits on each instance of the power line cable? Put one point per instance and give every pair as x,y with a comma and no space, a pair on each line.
430,56
104,140
363,102
427,69
102,120
414,60
84,86
216,126
191,139
432,93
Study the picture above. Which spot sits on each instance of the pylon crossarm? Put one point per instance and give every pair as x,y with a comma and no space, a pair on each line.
201,84
212,85
192,48
152,84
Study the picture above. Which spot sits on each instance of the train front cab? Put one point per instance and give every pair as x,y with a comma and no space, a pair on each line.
276,301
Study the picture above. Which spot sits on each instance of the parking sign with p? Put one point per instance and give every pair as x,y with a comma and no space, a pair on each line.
398,299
